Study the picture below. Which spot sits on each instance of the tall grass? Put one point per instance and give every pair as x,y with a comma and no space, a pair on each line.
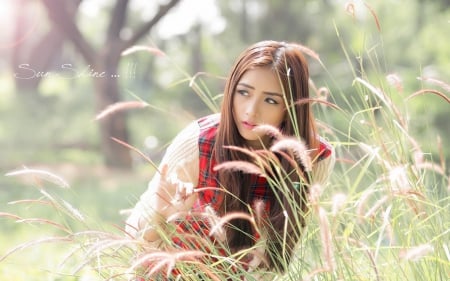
384,214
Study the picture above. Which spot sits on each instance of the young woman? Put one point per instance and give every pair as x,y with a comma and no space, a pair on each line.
268,85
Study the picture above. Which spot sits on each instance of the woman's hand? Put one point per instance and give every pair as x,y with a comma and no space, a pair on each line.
167,195
173,193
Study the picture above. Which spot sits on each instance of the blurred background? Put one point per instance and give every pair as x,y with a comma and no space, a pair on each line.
63,62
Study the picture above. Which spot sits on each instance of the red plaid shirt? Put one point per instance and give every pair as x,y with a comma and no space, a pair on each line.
208,177
194,229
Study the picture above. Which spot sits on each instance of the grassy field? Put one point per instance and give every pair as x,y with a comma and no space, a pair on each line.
98,194
383,216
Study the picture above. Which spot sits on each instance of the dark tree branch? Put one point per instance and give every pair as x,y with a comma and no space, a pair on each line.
144,29
118,19
61,16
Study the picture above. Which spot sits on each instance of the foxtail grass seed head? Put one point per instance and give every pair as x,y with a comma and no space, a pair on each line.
259,208
338,202
399,179
73,211
242,166
314,194
214,221
40,175
440,83
118,107
310,53
139,48
416,253
387,225
431,167
298,148
362,202
326,238
418,157
269,130
350,9
395,81
323,93
378,204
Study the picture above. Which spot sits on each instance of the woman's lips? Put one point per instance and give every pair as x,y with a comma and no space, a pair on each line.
248,125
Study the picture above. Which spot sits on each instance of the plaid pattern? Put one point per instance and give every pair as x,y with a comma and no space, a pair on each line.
213,197
208,177
325,149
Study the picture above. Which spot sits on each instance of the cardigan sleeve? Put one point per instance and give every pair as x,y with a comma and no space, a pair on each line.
181,158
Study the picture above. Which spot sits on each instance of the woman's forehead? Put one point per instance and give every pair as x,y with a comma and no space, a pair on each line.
262,77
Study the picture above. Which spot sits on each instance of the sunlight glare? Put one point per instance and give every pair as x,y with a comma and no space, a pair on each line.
6,20
188,13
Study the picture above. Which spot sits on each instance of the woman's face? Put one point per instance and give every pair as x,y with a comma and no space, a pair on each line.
258,100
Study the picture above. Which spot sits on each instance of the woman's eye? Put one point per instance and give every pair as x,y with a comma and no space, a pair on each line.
242,92
271,101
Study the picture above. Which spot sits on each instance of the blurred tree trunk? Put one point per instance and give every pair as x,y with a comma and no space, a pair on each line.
106,60
197,52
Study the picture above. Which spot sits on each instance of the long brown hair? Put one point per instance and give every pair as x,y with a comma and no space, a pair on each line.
288,62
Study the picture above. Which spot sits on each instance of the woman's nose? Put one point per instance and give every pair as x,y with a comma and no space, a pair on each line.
252,108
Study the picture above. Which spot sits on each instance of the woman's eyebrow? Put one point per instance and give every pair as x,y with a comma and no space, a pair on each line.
265,92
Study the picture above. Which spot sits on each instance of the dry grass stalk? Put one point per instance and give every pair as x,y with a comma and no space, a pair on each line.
377,22
139,48
231,216
138,152
23,246
310,53
322,93
41,175
369,254
312,274
351,10
440,83
200,73
31,201
45,222
10,216
429,91
319,100
120,106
